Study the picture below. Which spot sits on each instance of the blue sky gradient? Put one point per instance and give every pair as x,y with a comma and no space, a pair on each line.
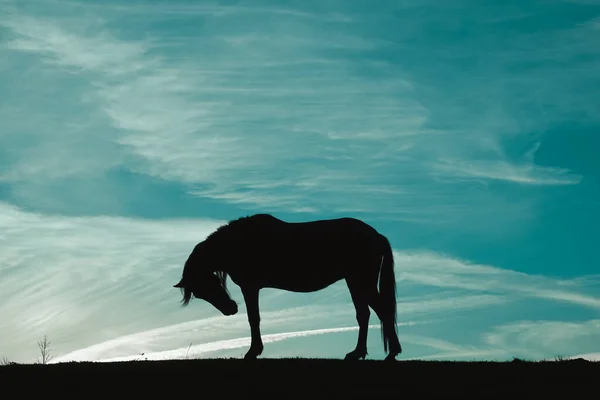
465,131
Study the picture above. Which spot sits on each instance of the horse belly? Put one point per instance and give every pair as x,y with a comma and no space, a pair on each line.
301,284
309,272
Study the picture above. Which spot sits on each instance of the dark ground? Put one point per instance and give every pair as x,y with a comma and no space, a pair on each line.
302,378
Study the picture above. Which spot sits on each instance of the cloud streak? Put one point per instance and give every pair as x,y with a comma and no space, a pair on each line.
430,269
535,338
465,133
197,350
68,282
253,126
78,268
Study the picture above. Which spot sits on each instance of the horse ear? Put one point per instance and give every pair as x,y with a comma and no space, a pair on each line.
179,285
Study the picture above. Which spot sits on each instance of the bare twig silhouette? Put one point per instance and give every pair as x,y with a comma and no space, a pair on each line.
46,353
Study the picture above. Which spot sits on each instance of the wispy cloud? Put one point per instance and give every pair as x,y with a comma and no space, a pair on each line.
96,352
58,273
537,338
431,269
525,174
69,280
273,124
404,111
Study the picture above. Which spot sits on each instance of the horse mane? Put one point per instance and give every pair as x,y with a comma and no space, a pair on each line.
234,224
222,275
214,239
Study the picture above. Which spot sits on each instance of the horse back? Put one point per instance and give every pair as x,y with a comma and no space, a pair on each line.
305,256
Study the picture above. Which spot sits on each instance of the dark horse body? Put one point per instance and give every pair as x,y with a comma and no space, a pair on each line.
262,251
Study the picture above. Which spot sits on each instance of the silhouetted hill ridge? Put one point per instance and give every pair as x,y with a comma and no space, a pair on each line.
297,377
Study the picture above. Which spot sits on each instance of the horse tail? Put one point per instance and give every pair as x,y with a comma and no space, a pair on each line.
387,289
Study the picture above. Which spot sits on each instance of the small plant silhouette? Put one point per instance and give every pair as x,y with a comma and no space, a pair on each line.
6,361
46,353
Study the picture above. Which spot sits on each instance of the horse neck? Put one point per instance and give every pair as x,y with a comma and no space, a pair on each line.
213,256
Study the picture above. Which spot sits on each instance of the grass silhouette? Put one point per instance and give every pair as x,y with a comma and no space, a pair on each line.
306,378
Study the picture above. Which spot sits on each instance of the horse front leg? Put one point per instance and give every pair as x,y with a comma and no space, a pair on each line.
256,344
362,317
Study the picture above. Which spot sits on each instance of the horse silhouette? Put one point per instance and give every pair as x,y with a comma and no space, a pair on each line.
262,251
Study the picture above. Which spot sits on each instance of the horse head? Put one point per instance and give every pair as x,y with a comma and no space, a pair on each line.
206,285
209,288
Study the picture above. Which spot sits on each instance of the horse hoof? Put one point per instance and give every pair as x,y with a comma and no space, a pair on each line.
354,355
391,357
253,353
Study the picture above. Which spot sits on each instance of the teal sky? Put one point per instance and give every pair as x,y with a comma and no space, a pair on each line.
465,131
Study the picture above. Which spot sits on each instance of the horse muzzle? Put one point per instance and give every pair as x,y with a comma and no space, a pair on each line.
230,309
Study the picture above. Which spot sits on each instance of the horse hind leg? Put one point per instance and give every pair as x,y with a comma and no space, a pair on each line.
388,328
363,314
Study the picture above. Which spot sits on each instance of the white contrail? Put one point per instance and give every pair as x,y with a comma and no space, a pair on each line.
197,350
